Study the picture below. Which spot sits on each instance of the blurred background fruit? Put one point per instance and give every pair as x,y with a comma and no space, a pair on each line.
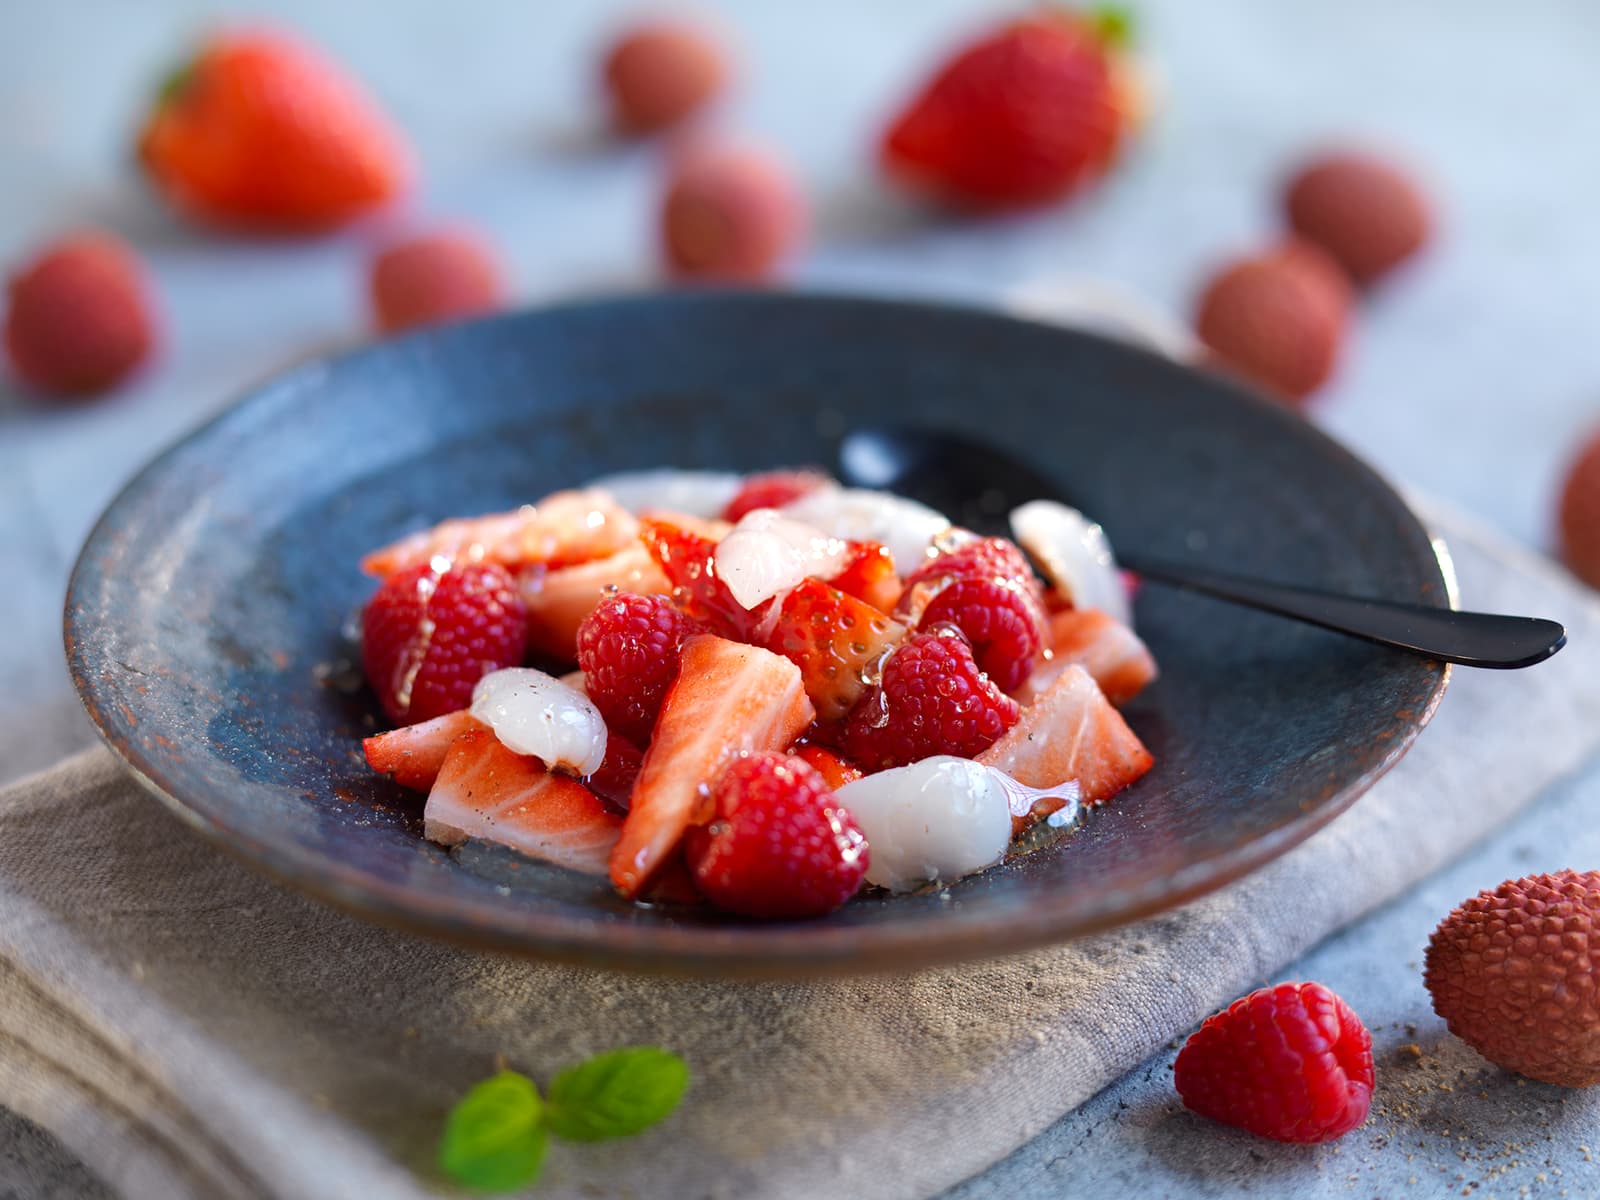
80,317
658,73
730,212
1359,208
261,130
1277,318
445,275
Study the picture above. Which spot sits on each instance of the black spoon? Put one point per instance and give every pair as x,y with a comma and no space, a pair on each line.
977,485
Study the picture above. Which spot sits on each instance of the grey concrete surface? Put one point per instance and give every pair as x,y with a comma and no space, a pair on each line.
1470,376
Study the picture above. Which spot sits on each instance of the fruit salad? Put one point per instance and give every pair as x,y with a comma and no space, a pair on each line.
760,692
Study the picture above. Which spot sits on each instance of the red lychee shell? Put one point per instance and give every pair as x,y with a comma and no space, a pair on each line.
1515,973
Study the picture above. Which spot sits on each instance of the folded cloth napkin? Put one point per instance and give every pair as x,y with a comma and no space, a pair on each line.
190,1029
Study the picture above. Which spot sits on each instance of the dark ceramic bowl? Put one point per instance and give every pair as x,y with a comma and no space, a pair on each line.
207,607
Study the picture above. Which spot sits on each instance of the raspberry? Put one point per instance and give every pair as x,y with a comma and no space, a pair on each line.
1579,514
432,631
730,213
1361,210
618,772
80,318
779,843
933,700
1291,1063
435,277
660,73
1278,318
628,648
987,590
773,489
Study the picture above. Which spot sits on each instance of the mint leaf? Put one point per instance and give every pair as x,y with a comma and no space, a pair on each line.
616,1094
494,1140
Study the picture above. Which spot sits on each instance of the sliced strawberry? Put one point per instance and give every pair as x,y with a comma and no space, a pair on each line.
1100,644
837,641
688,561
487,792
729,699
413,754
835,770
870,576
563,528
773,489
558,601
1070,733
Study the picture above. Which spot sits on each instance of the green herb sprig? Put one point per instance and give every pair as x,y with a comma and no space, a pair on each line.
496,1136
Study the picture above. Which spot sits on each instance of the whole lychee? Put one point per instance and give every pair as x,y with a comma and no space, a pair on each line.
1515,973
1361,209
730,213
661,72
1578,513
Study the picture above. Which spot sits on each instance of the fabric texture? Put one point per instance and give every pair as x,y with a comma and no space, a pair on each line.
191,1029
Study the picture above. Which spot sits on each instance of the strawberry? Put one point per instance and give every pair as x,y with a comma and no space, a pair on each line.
431,632
261,130
559,600
413,754
1111,652
933,700
729,699
773,489
834,770
618,773
659,73
838,643
80,319
1278,318
1071,733
628,648
869,575
433,277
562,529
485,791
779,845
1290,1062
1362,210
688,561
1023,116
729,213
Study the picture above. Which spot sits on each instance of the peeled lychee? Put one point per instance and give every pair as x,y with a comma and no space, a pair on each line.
1515,973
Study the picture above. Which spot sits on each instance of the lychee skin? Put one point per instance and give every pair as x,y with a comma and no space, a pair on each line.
1515,973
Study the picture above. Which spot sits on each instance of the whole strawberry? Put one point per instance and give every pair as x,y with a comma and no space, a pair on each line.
79,318
1578,514
1278,318
1515,972
1024,116
659,73
260,130
432,631
779,844
933,700
730,213
441,276
1361,209
1290,1062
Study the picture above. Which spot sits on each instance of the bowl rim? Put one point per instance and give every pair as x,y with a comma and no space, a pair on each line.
785,950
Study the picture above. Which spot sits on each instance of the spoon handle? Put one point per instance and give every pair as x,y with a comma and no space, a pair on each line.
1469,638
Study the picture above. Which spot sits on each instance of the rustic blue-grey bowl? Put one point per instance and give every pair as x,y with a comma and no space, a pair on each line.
204,620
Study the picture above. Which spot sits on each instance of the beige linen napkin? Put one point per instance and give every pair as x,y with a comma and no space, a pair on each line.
190,1029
